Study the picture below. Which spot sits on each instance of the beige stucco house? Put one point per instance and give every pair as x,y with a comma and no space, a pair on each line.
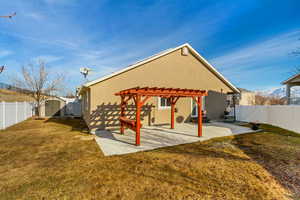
180,67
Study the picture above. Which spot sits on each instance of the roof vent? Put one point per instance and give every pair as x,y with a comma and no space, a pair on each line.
185,51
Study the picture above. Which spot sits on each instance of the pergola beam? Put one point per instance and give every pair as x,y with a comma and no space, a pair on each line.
144,100
146,91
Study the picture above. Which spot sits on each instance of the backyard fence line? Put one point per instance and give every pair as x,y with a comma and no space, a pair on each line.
14,112
284,116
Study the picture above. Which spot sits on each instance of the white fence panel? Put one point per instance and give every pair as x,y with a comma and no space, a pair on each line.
285,116
10,114
2,115
76,108
14,112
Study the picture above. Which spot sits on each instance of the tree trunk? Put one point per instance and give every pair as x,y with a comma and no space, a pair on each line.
38,107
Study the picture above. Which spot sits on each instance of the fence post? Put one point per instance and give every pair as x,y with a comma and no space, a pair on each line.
24,110
16,112
32,107
3,114
237,113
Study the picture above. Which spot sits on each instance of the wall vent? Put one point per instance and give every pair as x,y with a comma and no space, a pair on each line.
185,51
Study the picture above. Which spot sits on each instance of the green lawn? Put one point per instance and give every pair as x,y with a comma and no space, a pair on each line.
54,159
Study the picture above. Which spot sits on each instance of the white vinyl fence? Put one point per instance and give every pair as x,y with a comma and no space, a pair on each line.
14,112
73,108
284,116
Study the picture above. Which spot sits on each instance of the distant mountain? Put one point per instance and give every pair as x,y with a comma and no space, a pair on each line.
281,92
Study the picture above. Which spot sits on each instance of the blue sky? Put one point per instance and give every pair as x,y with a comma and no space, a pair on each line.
248,41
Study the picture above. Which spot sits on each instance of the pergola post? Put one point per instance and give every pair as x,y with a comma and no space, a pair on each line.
122,114
173,101
172,112
199,104
138,120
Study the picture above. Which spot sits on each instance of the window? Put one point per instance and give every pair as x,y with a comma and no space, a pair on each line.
195,107
164,103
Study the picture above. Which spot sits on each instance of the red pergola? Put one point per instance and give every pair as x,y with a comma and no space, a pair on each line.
141,95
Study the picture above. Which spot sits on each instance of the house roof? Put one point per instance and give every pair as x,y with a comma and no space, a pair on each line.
163,53
291,79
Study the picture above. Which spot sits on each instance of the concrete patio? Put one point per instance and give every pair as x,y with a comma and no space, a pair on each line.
152,137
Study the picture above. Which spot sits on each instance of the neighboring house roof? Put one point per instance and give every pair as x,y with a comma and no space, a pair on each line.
163,53
291,79
55,97
66,99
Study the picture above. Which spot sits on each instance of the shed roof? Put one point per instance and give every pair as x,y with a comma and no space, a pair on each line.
289,80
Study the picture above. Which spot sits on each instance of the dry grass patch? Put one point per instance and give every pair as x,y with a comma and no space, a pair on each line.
278,151
54,160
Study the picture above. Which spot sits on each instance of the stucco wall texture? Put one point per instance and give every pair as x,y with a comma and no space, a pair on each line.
173,70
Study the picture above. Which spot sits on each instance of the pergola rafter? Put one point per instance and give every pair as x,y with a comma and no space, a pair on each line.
141,95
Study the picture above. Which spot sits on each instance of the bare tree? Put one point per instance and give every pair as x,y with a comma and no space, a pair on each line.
296,53
69,93
268,100
260,99
295,71
39,82
276,100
